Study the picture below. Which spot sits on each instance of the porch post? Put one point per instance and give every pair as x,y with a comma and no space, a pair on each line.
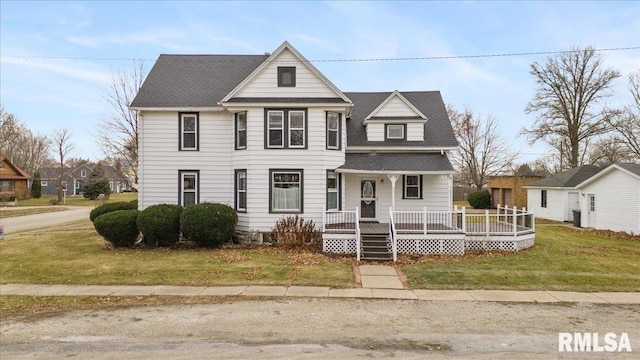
393,179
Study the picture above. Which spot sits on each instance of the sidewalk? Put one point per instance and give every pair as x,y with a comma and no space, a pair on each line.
378,282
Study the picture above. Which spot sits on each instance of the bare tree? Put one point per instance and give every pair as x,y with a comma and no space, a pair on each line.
570,87
118,134
17,143
626,123
481,151
608,150
62,148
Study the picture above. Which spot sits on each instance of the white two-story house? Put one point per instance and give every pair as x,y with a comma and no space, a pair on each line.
271,136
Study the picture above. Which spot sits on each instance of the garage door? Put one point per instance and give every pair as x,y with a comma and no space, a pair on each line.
495,196
508,197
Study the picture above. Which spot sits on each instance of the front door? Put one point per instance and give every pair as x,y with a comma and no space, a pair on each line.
368,199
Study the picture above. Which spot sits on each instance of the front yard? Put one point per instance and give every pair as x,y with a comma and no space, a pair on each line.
562,259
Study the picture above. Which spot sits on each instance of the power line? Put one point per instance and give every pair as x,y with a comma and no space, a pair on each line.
445,57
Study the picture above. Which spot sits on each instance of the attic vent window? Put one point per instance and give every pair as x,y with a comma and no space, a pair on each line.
286,76
395,132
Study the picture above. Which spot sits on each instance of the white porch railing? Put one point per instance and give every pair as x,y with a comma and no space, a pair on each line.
343,222
505,221
428,222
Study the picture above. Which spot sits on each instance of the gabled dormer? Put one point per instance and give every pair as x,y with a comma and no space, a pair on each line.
396,119
285,75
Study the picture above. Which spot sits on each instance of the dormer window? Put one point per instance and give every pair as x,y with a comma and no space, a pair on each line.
286,76
395,131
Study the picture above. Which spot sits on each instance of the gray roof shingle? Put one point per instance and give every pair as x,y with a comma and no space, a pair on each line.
437,130
567,179
632,168
194,80
408,162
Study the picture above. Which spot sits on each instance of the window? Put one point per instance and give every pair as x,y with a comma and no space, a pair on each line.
63,185
189,184
412,187
296,129
241,190
110,185
83,173
286,191
333,191
44,183
395,131
77,184
333,131
286,129
543,198
286,76
592,202
188,132
275,134
241,130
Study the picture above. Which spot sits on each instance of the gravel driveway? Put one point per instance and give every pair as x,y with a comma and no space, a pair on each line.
317,329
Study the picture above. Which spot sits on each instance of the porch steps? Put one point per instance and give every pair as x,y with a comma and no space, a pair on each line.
375,247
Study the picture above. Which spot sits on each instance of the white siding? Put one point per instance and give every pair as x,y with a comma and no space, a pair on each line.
415,132
556,204
161,160
435,189
265,84
375,132
396,107
314,161
617,202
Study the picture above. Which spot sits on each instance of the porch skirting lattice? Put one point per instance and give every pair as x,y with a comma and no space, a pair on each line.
431,244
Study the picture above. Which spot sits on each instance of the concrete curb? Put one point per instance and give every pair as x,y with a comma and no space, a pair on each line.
325,292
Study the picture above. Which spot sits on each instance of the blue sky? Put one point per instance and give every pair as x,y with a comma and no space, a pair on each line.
58,57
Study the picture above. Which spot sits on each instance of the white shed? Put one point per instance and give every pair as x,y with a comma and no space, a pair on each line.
557,196
611,199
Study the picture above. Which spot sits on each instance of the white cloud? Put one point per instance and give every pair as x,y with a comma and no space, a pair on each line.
158,37
60,66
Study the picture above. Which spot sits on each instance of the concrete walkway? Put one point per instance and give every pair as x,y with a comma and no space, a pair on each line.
378,282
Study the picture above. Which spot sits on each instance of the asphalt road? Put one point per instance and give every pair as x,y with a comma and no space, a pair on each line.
318,329
13,225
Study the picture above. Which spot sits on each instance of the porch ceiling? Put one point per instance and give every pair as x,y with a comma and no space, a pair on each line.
398,163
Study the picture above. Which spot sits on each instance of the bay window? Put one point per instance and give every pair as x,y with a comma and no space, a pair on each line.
286,191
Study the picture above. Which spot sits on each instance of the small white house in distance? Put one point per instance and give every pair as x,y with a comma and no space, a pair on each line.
555,197
611,199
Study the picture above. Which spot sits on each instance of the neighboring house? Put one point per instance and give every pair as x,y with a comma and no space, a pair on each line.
75,179
271,136
555,197
13,180
611,199
508,190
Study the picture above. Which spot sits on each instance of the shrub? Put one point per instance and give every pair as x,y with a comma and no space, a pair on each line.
118,227
480,199
107,208
293,232
160,224
208,224
134,203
